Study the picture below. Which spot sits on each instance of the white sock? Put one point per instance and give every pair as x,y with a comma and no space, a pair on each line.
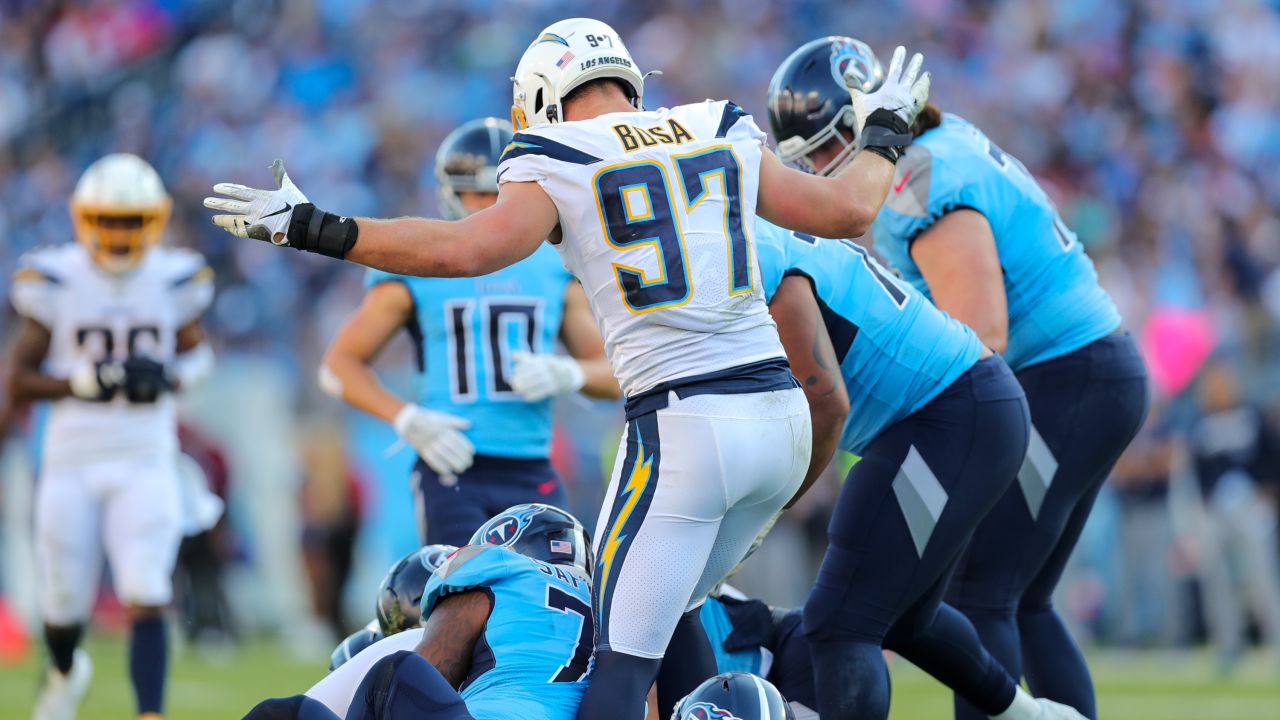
1023,707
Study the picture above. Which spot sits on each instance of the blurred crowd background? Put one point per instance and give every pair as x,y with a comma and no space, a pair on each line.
1155,125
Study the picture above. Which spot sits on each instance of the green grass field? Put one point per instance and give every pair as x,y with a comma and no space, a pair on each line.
1131,686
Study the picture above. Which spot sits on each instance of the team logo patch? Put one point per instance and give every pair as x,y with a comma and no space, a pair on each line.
507,529
845,58
707,711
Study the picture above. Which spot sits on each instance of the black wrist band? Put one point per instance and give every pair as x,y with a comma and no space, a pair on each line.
886,135
317,231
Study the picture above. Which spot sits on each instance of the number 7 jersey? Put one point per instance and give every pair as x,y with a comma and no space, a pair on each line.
656,214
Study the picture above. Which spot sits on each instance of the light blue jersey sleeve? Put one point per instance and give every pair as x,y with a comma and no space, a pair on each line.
1054,301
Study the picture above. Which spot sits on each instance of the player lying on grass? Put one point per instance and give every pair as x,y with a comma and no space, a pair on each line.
507,634
399,602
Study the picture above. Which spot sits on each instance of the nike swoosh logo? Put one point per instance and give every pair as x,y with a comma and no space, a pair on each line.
287,207
504,172
903,182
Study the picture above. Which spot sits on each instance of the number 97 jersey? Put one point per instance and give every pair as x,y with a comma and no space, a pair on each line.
656,214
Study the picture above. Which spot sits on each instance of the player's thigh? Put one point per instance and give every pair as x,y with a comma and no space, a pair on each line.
337,689
68,544
657,527
449,508
142,528
759,477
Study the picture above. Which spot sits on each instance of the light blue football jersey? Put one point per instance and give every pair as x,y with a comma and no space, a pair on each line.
719,626
1055,303
533,660
466,330
896,350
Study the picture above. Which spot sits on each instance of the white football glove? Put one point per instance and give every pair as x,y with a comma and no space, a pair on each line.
903,92
537,377
257,214
96,381
437,438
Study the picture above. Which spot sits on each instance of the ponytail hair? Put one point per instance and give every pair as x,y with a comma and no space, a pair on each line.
929,118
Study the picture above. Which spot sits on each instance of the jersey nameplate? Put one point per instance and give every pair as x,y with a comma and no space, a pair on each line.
634,137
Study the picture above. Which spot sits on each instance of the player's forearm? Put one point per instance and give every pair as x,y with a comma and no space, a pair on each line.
859,191
358,385
599,382
418,246
827,425
26,385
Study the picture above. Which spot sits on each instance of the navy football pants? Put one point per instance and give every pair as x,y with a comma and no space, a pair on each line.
1085,409
451,508
898,528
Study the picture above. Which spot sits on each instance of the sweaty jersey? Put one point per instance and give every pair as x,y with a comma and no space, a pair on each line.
1055,304
533,658
465,331
656,211
896,350
95,316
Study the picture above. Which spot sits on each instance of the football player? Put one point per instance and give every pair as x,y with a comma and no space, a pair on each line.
940,424
110,330
968,226
399,600
507,634
482,423
653,212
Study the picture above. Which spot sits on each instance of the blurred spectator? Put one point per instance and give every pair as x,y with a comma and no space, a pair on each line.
1235,458
330,522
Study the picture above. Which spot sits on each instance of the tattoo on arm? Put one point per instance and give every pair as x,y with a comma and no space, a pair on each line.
823,356
453,628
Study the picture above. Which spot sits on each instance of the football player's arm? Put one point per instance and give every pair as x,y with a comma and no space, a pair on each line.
813,361
454,626
27,382
194,361
840,206
346,371
581,338
957,257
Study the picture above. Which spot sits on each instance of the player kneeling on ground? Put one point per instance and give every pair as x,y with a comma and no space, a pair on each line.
110,329
399,603
507,634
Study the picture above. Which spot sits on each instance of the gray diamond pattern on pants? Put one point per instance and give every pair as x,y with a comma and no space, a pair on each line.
920,496
1036,473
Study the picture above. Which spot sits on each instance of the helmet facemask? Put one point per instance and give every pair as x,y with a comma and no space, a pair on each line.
118,238
797,151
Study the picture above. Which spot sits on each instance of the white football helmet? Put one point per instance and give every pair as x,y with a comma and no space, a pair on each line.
565,55
119,209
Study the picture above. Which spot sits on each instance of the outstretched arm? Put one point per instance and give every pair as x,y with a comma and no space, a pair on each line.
813,361
452,629
478,244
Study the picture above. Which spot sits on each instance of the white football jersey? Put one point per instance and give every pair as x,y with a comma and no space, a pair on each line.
656,215
93,316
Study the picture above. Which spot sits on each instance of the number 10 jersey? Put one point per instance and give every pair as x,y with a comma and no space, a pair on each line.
656,214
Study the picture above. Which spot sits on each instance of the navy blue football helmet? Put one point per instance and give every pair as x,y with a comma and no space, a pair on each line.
734,696
809,102
541,532
355,642
400,593
467,161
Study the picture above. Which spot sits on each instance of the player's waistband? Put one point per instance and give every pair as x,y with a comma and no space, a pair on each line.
756,377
